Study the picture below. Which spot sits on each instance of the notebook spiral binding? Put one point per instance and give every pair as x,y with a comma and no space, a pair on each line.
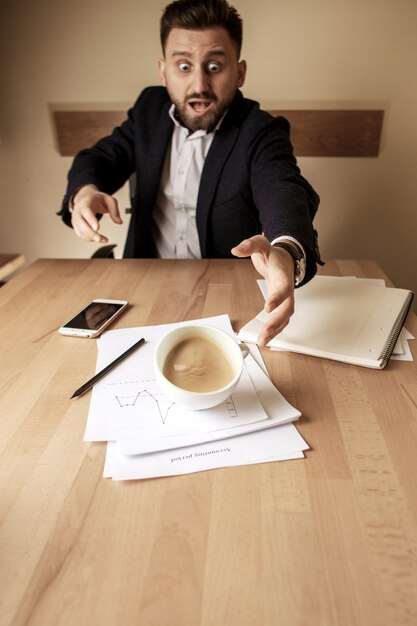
393,338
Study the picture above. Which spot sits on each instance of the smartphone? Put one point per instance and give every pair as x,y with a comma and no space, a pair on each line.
93,318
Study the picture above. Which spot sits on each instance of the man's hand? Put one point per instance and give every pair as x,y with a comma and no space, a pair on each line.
87,203
277,267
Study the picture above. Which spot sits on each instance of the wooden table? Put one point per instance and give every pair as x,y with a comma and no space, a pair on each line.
325,541
9,263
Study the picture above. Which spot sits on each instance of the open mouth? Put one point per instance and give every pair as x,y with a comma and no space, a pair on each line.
200,106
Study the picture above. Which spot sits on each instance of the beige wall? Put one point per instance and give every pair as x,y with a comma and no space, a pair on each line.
310,53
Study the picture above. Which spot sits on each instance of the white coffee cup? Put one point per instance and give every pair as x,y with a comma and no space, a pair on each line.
228,346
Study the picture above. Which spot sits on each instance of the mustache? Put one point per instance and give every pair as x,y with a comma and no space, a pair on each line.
203,95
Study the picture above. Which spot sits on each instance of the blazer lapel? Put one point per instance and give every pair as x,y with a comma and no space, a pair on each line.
220,149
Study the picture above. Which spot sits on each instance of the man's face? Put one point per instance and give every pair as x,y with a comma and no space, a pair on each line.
201,72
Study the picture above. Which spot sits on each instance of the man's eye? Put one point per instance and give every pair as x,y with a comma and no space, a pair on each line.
213,68
184,67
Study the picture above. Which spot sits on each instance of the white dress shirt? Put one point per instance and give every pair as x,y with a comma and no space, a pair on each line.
174,220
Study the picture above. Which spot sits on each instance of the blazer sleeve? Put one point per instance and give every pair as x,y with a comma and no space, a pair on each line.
107,164
286,202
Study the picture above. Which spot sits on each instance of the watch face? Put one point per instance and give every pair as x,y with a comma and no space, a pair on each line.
300,270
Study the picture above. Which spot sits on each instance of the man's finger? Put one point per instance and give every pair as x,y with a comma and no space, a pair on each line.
269,332
272,328
257,243
280,296
86,226
279,315
112,208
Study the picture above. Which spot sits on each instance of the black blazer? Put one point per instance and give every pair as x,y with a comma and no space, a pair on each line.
250,181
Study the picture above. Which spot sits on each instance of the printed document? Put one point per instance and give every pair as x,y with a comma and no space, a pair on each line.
150,436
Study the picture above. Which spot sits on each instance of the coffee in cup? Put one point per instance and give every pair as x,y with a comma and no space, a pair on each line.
198,366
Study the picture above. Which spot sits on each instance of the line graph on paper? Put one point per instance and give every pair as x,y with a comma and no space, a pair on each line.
142,401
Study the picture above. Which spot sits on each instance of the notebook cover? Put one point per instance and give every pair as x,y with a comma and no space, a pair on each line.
341,319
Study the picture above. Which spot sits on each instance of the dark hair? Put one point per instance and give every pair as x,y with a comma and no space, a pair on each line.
199,15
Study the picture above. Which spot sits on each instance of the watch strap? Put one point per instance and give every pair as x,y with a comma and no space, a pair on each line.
299,260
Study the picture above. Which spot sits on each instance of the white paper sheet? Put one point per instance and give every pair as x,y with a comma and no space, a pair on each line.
173,441
128,404
275,444
279,443
278,411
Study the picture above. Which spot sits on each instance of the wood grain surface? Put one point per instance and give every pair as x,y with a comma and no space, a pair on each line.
9,263
321,133
328,540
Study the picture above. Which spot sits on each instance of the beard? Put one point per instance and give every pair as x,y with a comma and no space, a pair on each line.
208,121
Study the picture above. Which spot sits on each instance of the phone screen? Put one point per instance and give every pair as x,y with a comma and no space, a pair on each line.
94,315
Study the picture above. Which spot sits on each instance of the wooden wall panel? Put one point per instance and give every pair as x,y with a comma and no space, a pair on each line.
80,129
348,133
322,133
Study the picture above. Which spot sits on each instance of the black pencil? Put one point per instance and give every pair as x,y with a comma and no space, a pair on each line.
106,370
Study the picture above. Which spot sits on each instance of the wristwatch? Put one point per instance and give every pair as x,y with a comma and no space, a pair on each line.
299,260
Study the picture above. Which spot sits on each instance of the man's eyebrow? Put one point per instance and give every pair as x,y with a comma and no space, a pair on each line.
180,53
218,52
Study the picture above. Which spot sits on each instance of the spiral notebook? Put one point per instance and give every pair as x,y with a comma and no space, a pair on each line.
343,319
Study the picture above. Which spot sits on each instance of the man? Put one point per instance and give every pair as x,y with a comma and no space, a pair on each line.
215,175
